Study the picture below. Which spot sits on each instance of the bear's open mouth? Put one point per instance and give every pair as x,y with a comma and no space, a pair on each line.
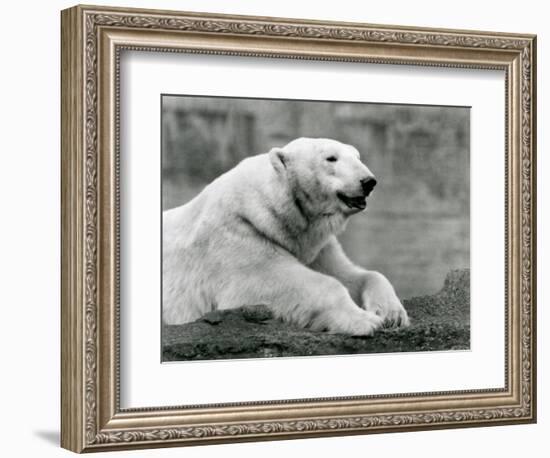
358,202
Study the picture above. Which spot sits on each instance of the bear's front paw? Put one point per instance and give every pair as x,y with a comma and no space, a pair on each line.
363,323
380,298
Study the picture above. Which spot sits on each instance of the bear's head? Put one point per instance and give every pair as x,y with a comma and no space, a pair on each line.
324,175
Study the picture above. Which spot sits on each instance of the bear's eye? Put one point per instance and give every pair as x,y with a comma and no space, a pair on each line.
332,158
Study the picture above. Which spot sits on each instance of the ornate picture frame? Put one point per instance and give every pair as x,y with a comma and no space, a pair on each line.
92,41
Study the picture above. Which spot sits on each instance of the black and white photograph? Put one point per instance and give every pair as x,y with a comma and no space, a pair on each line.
275,229
303,228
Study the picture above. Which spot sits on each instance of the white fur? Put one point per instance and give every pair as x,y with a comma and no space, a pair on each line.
265,233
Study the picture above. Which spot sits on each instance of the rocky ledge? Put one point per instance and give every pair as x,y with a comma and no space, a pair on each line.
438,322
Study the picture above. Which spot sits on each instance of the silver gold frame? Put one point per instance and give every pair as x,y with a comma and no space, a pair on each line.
92,40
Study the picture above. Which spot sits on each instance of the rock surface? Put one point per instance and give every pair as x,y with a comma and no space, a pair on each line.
438,322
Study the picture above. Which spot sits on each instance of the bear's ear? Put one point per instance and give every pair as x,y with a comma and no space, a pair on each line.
279,159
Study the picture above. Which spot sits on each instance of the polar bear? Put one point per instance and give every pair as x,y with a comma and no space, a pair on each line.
265,232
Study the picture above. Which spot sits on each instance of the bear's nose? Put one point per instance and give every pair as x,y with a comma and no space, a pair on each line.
368,184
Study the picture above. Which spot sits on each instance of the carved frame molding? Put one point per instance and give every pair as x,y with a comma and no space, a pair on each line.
92,39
